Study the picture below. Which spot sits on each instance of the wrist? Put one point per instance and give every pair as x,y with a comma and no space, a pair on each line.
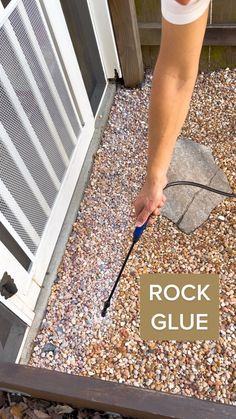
156,177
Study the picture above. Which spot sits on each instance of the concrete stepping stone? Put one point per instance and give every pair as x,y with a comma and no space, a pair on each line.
188,206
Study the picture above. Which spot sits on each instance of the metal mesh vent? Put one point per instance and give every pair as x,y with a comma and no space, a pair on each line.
42,84
16,185
25,148
26,97
42,37
37,124
8,214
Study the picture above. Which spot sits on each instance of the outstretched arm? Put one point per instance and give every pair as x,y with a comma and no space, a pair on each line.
173,82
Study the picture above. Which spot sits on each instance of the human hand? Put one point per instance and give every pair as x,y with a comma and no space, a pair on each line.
149,200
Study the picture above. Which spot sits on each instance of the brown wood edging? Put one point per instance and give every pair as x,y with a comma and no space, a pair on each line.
216,34
95,393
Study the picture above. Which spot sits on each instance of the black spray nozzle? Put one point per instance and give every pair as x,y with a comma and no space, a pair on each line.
106,306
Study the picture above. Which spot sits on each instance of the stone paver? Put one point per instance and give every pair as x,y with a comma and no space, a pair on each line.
188,206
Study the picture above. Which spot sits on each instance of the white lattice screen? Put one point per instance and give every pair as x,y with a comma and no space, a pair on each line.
39,124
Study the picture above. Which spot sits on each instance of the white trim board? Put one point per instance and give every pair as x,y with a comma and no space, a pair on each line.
103,30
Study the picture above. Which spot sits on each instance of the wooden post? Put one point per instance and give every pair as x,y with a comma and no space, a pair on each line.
124,19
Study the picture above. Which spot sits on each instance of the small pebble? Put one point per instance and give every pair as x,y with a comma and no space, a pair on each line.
49,347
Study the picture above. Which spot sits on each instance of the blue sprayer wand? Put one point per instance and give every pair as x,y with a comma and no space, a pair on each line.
136,236
139,230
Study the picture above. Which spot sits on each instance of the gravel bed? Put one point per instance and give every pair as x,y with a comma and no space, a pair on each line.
74,338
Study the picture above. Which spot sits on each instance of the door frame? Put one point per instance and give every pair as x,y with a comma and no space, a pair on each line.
30,283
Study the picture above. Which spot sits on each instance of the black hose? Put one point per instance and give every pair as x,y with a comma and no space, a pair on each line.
199,185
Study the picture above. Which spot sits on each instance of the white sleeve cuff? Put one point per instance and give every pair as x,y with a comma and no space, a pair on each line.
178,14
